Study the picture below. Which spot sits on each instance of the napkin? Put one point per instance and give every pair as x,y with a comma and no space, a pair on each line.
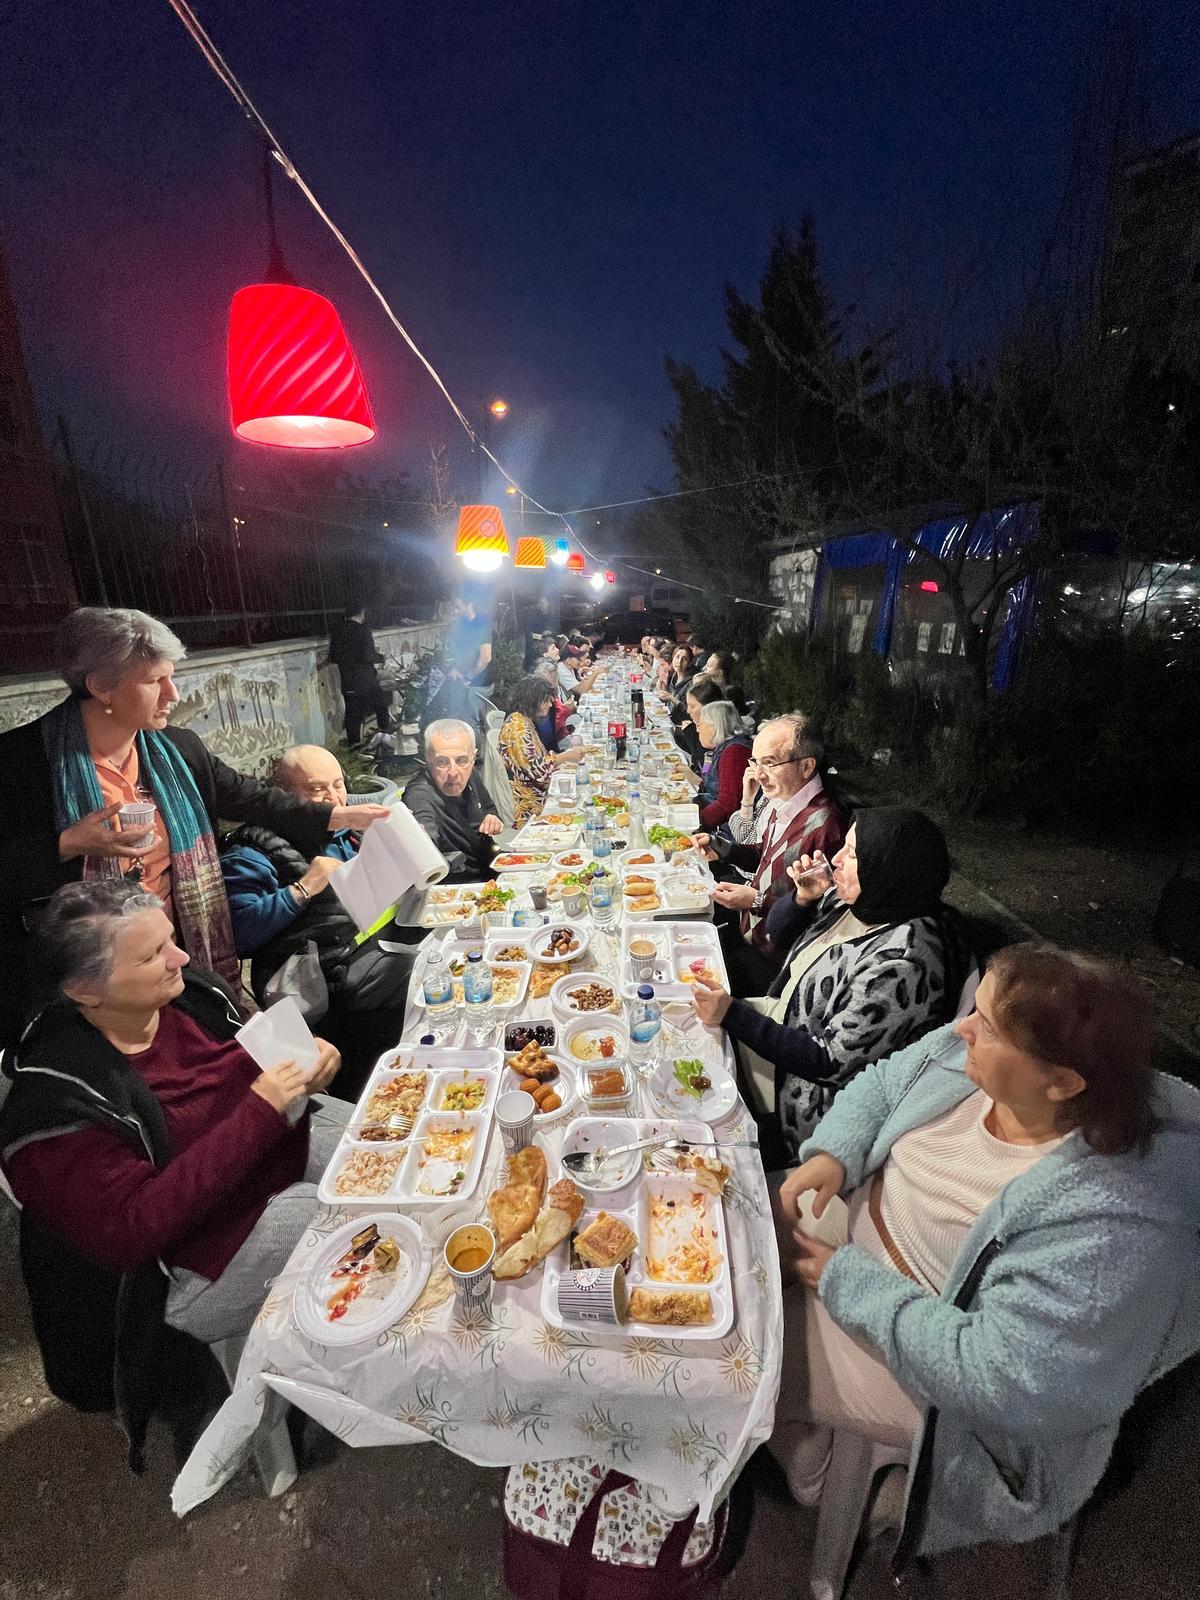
396,855
279,1034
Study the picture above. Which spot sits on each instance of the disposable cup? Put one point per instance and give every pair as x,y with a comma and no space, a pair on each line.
515,1112
473,1283
594,1294
137,817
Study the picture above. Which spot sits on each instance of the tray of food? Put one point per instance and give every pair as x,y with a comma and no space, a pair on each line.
671,838
462,904
694,1081
572,860
521,860
552,1083
665,1229
581,993
544,837
363,1278
671,956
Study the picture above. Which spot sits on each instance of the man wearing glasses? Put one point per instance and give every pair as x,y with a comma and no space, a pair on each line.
801,819
450,801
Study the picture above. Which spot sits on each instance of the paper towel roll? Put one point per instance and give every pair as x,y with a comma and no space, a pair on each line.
396,855
423,859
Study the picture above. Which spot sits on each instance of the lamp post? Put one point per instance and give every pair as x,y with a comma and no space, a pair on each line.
495,408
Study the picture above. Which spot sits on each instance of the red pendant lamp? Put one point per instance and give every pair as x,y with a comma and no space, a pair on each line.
293,378
530,552
575,562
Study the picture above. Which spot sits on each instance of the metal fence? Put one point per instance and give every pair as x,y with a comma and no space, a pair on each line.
222,564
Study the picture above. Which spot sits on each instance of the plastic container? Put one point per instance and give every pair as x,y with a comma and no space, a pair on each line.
595,1078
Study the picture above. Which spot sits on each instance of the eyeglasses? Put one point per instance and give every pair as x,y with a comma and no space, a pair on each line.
765,765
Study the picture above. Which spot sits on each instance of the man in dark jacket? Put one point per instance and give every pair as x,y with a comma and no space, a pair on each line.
280,901
451,802
352,651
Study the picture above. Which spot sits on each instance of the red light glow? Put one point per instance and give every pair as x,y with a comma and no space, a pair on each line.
293,379
929,586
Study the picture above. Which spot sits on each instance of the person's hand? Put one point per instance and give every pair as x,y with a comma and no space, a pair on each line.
320,870
359,818
574,754
490,826
814,886
750,788
821,1175
737,896
710,1003
91,837
703,843
811,1259
328,1065
280,1085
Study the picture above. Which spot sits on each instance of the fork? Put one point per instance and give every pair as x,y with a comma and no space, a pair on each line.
588,1161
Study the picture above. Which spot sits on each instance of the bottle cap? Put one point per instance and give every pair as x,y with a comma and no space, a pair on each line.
428,1038
475,955
645,991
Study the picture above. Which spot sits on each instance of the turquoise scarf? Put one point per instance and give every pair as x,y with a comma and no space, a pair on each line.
197,889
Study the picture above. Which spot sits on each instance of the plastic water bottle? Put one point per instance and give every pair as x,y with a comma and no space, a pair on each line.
645,1024
612,750
441,1012
637,821
601,845
604,911
583,784
477,994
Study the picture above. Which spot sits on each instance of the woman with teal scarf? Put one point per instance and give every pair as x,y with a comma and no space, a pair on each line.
65,777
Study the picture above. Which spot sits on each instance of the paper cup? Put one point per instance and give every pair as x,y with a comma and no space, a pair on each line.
471,1277
594,1294
514,1112
137,817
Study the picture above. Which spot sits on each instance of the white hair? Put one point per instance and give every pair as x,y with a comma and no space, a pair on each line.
723,717
444,727
106,641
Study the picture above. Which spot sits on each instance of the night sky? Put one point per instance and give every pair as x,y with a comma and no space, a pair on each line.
551,194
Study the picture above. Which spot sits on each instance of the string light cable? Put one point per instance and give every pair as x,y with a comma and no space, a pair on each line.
238,93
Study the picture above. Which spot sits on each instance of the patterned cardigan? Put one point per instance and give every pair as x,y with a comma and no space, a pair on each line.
859,1001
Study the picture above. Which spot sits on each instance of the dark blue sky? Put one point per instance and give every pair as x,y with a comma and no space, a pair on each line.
551,194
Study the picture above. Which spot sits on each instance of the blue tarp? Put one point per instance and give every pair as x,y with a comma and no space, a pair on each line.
996,533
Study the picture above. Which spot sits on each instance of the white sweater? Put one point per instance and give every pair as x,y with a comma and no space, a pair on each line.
938,1179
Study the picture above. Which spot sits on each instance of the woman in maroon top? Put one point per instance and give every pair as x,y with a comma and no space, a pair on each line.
720,730
138,1131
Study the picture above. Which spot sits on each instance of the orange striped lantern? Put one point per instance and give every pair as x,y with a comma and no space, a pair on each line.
293,379
482,542
531,552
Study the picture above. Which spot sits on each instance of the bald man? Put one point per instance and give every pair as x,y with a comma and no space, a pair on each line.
278,901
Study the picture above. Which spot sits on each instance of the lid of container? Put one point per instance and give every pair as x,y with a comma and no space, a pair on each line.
475,955
428,1038
645,991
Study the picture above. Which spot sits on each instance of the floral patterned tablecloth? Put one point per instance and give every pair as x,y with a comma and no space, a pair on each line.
681,1417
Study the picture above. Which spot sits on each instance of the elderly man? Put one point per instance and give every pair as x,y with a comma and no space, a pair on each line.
279,902
801,819
450,801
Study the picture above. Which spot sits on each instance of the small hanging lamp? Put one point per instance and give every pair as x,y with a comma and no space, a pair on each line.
531,552
560,552
609,575
575,561
293,378
482,542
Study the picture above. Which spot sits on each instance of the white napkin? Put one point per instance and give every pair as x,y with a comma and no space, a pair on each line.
396,855
279,1034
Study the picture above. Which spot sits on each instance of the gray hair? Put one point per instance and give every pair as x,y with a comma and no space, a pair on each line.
107,641
78,930
723,717
445,726
545,668
806,742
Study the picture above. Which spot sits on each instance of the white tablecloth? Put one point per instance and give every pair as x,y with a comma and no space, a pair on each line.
682,1417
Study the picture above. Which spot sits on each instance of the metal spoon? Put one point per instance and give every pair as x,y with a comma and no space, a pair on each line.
590,1161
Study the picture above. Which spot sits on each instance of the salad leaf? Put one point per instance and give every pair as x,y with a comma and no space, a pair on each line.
660,833
685,1071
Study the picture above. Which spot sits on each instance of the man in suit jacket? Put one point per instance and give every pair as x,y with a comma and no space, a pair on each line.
802,819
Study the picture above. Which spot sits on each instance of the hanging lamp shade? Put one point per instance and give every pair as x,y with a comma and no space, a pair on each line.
293,379
575,561
531,552
609,575
482,542
560,552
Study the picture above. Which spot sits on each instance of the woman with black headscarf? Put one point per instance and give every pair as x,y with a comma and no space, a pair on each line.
875,961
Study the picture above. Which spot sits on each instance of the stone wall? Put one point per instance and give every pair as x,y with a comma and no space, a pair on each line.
247,705
792,580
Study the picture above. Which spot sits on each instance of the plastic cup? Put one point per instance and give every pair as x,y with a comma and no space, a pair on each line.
515,1112
137,817
537,894
594,1294
469,1253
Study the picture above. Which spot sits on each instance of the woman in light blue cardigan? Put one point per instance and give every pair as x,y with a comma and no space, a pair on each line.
1075,1286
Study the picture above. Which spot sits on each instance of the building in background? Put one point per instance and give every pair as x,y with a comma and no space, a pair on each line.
1151,292
36,583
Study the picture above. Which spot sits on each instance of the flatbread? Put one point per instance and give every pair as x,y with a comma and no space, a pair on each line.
529,1166
645,902
513,1211
554,1222
674,1308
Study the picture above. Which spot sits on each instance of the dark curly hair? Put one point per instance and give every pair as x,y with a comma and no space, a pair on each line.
529,696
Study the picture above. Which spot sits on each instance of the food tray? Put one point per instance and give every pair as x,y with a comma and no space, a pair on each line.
677,943
632,1204
522,861
523,969
385,1297
673,901
406,1163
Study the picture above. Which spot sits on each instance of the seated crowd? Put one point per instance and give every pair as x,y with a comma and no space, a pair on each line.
991,1219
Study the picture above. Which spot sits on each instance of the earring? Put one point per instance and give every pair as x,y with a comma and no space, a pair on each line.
107,710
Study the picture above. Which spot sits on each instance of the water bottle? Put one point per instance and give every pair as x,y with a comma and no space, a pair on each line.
601,844
441,1012
477,994
645,1023
612,750
604,911
637,821
583,784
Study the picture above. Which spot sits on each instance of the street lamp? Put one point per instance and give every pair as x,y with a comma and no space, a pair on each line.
495,408
499,408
